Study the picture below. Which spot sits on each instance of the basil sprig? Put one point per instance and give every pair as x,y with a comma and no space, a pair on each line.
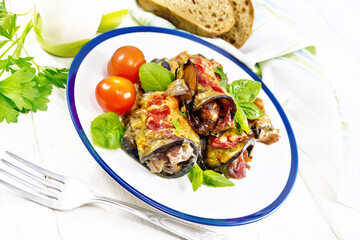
154,77
208,177
244,92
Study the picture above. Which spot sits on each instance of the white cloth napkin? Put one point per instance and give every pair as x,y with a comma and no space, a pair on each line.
278,50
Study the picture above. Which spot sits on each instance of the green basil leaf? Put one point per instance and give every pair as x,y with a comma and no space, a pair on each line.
214,179
240,118
154,77
184,114
251,110
107,130
223,83
111,20
222,75
196,176
176,125
244,90
220,71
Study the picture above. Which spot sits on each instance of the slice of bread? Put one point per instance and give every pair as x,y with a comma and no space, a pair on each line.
244,18
208,18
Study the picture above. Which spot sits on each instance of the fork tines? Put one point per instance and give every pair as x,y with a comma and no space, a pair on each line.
47,173
43,189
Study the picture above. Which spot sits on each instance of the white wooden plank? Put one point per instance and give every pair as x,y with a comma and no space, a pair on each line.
48,138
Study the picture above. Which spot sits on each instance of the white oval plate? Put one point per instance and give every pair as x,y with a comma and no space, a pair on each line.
273,169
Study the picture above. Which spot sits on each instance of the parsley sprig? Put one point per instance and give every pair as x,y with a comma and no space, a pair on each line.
29,84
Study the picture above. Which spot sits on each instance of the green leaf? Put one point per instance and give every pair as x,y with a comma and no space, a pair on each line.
244,90
19,87
4,63
176,125
19,46
154,77
8,26
45,89
196,176
7,110
23,91
241,119
214,179
55,76
251,110
112,20
2,7
184,114
3,42
222,75
107,131
19,62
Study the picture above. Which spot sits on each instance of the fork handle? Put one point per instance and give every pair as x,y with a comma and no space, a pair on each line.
171,224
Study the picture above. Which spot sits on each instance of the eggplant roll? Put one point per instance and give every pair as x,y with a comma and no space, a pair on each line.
229,153
159,136
262,129
211,109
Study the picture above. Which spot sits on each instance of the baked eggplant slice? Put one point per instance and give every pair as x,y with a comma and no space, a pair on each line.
229,153
160,137
262,129
212,109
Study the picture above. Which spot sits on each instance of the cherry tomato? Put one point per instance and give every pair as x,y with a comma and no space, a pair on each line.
115,94
126,62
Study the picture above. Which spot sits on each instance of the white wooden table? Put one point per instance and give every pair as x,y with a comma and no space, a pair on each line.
49,139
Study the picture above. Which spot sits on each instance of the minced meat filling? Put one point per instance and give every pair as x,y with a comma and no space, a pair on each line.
171,161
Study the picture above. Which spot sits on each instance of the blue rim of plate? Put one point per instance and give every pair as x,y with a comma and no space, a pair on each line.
207,221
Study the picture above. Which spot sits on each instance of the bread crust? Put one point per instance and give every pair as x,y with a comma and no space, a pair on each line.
184,22
244,18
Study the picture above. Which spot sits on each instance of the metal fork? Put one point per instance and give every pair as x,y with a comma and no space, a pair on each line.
67,193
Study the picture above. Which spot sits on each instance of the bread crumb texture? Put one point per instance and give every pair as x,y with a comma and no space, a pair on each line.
244,18
207,18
